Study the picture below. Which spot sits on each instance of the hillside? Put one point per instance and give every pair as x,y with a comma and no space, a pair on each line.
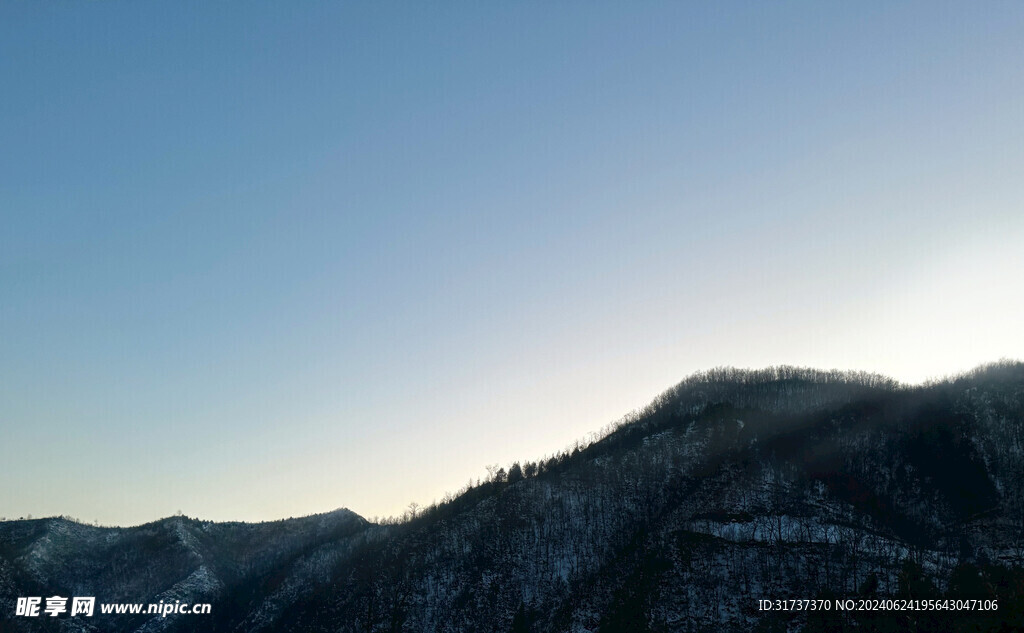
731,487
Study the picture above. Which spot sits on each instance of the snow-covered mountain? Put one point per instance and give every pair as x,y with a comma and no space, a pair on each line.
732,487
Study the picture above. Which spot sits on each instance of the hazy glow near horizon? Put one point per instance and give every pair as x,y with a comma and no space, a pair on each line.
268,261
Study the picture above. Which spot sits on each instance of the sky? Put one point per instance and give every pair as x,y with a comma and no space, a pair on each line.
262,260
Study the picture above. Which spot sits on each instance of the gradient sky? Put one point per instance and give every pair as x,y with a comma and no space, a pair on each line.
266,259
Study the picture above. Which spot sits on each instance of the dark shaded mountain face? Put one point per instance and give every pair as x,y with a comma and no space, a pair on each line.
733,487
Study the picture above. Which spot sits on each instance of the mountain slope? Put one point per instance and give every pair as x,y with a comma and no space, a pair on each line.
167,560
733,486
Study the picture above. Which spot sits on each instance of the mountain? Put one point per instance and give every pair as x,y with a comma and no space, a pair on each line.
731,488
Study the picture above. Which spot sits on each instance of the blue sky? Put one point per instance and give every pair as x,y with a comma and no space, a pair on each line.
271,259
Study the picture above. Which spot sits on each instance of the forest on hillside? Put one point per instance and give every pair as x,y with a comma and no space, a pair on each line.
731,488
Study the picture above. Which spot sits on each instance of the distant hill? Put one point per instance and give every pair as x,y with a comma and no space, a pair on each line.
732,487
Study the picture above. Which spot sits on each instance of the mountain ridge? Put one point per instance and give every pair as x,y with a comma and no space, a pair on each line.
732,485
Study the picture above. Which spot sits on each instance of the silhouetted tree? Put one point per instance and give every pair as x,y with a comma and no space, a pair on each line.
515,473
520,622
